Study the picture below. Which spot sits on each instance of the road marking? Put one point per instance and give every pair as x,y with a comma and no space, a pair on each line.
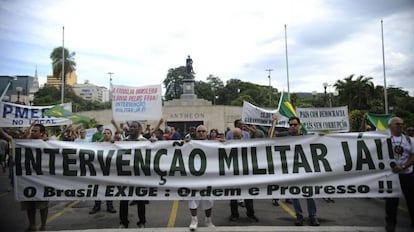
61,212
173,214
287,209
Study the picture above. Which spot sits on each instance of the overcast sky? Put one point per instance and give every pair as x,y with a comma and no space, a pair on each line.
141,40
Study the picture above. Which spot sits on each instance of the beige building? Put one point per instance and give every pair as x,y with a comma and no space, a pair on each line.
185,114
71,79
91,92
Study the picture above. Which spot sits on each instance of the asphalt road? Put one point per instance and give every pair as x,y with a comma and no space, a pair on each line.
340,215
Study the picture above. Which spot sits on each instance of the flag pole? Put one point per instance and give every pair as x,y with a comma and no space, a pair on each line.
287,64
62,96
274,122
383,68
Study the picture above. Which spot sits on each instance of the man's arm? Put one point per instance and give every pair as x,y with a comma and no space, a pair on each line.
272,130
5,135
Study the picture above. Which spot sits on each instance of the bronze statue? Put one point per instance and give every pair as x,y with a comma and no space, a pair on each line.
189,66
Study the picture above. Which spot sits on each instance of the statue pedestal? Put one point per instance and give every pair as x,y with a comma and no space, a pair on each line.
188,89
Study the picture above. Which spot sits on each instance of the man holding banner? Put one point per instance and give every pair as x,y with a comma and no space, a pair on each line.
37,132
403,149
135,129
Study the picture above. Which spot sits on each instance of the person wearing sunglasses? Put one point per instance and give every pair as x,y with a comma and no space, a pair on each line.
207,205
294,130
403,149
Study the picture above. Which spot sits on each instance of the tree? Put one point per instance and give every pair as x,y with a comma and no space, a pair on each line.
173,83
69,62
355,93
50,95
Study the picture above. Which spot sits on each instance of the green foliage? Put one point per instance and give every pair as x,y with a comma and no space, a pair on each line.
356,118
173,83
50,95
69,62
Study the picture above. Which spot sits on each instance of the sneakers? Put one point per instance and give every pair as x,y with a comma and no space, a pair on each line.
252,218
209,223
122,226
233,218
275,202
194,223
95,209
110,209
141,224
299,221
314,222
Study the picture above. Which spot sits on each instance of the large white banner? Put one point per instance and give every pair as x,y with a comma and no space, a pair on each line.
335,165
321,119
252,114
16,115
136,103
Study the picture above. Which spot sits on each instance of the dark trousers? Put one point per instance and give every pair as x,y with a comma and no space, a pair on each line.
123,212
109,204
391,204
248,204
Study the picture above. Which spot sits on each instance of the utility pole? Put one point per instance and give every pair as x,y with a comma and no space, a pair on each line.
110,85
270,86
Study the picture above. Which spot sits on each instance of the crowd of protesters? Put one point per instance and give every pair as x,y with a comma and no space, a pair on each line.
134,131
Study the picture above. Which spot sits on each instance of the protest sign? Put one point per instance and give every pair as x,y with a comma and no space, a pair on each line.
258,116
335,165
136,103
325,119
16,115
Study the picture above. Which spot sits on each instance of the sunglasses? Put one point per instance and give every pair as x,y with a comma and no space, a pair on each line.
201,131
293,124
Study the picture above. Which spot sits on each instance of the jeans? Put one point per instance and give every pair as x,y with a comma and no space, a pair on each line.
311,207
249,207
108,204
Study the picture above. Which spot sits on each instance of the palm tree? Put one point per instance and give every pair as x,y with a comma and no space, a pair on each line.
69,61
355,93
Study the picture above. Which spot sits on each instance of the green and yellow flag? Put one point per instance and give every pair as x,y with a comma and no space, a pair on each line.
286,109
59,112
380,121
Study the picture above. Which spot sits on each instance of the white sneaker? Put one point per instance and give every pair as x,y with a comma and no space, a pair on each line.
122,226
194,223
209,223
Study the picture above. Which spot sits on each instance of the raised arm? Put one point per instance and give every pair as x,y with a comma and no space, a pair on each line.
5,135
272,130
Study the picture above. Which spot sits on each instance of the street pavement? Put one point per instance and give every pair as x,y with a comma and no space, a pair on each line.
341,215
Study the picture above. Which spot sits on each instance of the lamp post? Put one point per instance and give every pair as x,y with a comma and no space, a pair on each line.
325,85
31,98
110,85
314,93
19,91
213,89
270,86
335,94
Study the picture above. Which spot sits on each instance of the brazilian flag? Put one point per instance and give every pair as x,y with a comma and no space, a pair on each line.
286,109
58,111
380,121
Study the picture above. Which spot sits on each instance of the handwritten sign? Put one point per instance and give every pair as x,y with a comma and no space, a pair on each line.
136,103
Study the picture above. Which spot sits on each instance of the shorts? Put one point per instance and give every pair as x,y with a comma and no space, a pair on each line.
204,204
25,205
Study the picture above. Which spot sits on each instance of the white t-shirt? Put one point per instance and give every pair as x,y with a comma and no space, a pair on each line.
401,142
